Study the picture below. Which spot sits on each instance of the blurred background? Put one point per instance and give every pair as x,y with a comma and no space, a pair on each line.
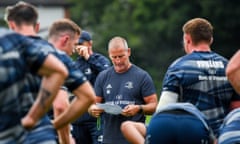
153,28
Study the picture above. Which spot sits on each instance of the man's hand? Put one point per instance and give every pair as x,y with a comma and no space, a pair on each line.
83,51
95,111
130,110
28,123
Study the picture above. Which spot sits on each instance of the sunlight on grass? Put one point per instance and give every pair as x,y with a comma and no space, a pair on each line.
148,118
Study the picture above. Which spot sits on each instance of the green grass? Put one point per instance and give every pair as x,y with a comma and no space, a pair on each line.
148,118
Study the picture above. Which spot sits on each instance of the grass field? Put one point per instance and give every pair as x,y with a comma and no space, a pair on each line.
148,118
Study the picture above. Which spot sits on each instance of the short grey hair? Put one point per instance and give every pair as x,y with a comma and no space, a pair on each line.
117,41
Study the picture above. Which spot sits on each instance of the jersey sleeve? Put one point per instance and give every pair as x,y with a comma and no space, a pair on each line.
98,62
171,80
148,87
98,84
76,76
34,57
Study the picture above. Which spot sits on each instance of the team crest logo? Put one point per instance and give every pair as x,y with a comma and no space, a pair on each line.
129,85
88,71
119,97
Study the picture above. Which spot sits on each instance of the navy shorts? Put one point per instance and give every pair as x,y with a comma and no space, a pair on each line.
43,133
176,128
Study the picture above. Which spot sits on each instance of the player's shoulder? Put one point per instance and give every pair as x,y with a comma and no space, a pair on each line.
138,70
99,56
106,72
6,32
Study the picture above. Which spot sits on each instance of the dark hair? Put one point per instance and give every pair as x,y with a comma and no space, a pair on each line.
199,29
22,12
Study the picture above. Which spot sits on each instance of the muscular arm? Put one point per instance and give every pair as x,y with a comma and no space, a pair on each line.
148,108
61,103
233,71
54,74
85,96
233,74
151,104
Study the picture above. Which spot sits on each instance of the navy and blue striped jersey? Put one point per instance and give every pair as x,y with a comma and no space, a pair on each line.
199,78
76,77
230,129
18,58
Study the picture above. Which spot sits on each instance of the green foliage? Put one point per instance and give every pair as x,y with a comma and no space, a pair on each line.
153,28
3,23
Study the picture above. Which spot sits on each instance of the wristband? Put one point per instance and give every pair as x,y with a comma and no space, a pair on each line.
140,109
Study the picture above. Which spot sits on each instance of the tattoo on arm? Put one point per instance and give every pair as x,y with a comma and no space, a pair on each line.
45,94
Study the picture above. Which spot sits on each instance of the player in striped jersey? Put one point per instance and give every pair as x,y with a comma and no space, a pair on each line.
199,76
19,59
230,129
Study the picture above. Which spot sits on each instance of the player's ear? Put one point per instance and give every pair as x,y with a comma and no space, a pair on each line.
129,52
11,25
64,39
37,27
211,40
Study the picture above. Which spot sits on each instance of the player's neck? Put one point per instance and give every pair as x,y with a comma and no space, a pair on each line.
27,30
201,47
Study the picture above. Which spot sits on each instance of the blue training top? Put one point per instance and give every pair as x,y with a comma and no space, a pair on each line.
199,78
122,89
76,76
21,58
230,129
18,57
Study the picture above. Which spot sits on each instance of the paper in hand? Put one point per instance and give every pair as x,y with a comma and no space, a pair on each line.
110,109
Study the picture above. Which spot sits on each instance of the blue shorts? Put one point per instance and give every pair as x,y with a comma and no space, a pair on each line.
43,133
181,128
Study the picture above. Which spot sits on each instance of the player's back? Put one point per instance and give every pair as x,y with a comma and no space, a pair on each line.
17,59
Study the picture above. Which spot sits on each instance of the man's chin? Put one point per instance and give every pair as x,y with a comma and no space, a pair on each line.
119,69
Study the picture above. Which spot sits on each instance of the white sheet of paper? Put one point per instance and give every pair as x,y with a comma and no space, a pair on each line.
111,109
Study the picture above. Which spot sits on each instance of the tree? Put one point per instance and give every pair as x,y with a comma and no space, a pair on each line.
153,28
